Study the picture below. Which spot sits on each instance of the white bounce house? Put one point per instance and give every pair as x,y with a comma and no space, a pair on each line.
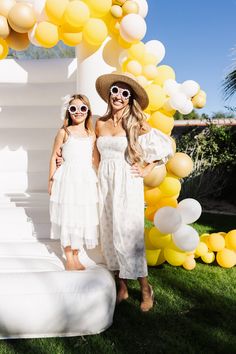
38,298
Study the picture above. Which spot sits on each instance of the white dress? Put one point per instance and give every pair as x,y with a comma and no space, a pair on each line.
74,197
121,202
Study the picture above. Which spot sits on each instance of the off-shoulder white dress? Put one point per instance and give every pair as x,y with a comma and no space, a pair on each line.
121,202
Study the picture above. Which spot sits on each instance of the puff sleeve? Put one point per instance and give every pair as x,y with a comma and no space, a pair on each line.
156,146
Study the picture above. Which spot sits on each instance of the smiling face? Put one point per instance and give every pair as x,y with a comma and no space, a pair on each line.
77,111
118,95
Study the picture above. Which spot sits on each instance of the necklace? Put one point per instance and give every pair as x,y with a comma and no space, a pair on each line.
116,123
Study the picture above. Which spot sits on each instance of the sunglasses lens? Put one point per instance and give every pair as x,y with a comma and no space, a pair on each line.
125,93
72,109
114,90
84,109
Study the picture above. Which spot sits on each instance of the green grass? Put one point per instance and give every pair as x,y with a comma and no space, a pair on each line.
194,313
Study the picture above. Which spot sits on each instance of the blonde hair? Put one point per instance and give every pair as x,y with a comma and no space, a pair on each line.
88,121
132,122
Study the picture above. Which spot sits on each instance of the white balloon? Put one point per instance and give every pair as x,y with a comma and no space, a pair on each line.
178,100
132,28
31,36
190,210
186,238
143,7
156,48
39,6
187,108
171,87
190,88
167,220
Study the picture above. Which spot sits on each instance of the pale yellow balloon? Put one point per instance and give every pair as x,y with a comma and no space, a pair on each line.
173,257
6,6
157,239
116,11
180,165
119,2
123,43
18,41
21,17
47,34
208,258
152,196
70,37
189,263
226,258
113,26
55,10
199,101
4,27
164,72
3,49
230,240
152,257
215,242
156,97
130,7
136,51
162,122
155,177
201,249
99,8
149,58
167,109
150,71
134,67
173,144
142,80
76,13
170,186
95,31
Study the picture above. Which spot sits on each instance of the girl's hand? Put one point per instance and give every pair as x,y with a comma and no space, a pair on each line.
59,158
138,171
50,186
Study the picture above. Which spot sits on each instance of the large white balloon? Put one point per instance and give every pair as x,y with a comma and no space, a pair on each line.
190,210
186,238
156,48
178,100
187,107
132,28
171,87
39,6
143,7
190,88
167,220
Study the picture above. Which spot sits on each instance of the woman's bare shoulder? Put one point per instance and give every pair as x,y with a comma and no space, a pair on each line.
145,128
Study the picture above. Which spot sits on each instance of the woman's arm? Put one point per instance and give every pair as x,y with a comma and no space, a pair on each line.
52,165
96,155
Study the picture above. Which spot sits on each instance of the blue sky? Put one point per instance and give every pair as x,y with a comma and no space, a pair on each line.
198,37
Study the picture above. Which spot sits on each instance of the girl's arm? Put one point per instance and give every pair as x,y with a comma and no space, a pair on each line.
96,154
52,165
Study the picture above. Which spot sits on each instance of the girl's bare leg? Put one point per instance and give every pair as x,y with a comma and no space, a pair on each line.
69,258
122,290
77,263
147,295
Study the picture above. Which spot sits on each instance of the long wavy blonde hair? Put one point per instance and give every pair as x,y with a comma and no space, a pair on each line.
88,121
132,122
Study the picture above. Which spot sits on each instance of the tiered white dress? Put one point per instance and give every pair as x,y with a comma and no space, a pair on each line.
121,202
74,197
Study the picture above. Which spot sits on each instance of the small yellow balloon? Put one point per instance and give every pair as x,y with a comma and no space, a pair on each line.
173,257
167,109
155,177
70,38
171,201
116,11
201,249
162,122
199,100
95,31
3,49
208,258
152,196
156,97
142,80
170,186
99,8
150,212
47,34
164,72
152,257
76,13
230,240
226,258
161,258
215,242
189,263
130,7
123,43
180,165
149,58
4,27
150,71
136,51
157,239
134,67
148,244
55,10
21,17
6,6
18,41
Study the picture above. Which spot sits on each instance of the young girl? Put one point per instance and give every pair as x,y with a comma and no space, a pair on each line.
72,187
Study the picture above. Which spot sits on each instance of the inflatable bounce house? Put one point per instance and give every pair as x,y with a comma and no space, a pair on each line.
38,298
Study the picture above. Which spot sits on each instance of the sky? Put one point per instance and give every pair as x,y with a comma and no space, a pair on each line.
199,37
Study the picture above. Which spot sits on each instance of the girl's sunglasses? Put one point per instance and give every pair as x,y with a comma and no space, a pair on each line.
73,109
115,90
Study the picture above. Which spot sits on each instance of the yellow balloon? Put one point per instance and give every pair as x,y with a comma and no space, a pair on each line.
189,263
156,97
150,71
171,201
215,242
6,6
201,249
136,51
21,17
55,10
208,258
70,38
142,80
204,238
157,239
152,196
226,258
134,67
148,244
95,31
155,177
167,109
4,27
76,13
173,257
18,41
123,43
230,240
3,49
164,72
113,26
149,58
99,8
162,122
116,11
47,34
152,257
170,186
161,258
130,7
180,164
150,212
199,101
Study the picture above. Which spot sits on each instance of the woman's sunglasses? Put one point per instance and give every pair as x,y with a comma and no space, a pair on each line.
115,90
73,109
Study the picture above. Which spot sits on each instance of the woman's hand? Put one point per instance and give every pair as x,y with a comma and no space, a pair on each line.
59,158
50,182
139,171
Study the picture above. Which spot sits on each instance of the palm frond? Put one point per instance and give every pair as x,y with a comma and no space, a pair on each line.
229,84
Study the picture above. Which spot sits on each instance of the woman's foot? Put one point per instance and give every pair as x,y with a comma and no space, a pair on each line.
70,265
122,292
147,299
77,263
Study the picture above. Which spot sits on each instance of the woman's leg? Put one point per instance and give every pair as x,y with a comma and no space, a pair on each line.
122,293
147,294
78,265
69,258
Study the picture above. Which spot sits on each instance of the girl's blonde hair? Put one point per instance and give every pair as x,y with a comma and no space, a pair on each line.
132,122
88,121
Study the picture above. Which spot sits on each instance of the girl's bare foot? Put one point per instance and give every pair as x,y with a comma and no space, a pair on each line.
147,299
78,264
122,292
70,265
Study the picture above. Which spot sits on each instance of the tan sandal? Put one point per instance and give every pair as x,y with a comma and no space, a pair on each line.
148,300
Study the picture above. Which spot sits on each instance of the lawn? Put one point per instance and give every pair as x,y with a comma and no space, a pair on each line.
194,313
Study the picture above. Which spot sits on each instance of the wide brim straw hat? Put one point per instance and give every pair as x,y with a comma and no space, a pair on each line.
104,83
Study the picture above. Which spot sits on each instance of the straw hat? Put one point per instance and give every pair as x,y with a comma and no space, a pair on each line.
104,82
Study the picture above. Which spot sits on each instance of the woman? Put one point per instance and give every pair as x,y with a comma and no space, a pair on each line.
129,149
